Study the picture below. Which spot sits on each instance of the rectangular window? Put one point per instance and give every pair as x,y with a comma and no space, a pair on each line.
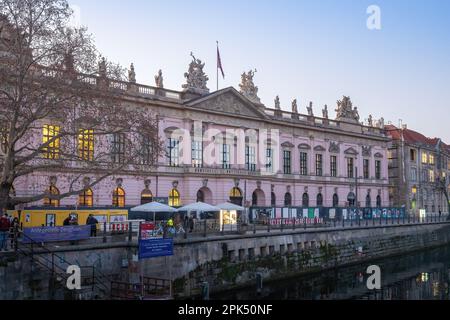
413,174
431,175
118,148
377,169
333,166
287,162
413,155
366,168
424,158
250,158
303,163
269,160
86,144
319,162
225,156
173,152
147,151
197,154
350,168
431,159
49,134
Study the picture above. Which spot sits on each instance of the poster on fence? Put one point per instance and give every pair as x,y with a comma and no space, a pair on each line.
332,213
305,213
151,242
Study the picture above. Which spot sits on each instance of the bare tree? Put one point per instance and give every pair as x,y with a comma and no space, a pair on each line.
62,106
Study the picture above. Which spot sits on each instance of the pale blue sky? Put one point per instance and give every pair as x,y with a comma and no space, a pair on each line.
310,50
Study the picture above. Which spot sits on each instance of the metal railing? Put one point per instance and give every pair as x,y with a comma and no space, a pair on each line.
149,288
57,265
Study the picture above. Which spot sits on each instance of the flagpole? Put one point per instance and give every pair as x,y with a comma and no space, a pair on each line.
217,65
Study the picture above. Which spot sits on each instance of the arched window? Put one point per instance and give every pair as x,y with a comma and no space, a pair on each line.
305,200
86,198
200,196
319,200
335,200
378,201
351,198
146,196
174,198
287,200
236,196
273,199
52,202
118,197
254,199
368,201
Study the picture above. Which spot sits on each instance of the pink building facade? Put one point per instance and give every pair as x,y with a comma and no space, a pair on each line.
218,150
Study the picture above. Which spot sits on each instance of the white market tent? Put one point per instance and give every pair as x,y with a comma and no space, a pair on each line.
198,207
154,207
228,206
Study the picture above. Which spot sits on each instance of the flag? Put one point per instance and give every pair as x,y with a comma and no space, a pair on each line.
219,62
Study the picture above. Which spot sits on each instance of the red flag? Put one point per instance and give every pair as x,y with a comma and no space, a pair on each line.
219,62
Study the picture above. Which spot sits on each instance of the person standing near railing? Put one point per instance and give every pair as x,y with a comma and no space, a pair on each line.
92,221
14,231
4,232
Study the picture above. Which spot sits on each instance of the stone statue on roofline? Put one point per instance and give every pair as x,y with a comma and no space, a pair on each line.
159,80
345,110
248,88
277,103
132,74
370,121
196,79
294,106
310,109
325,112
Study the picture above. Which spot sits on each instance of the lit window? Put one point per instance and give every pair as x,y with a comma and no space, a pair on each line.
86,144
431,175
431,159
49,134
118,197
86,198
52,190
174,198
424,157
146,196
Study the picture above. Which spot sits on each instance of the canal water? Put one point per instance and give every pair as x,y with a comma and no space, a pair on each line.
417,276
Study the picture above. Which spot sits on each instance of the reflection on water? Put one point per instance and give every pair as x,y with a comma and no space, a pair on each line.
418,276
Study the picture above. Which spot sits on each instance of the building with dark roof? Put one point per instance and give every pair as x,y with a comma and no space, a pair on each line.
415,163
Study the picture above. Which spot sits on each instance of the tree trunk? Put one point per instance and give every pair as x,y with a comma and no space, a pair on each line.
5,199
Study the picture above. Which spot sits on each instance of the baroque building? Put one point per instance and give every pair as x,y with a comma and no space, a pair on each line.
228,146
415,164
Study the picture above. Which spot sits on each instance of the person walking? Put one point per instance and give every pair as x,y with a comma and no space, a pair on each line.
14,232
92,221
4,232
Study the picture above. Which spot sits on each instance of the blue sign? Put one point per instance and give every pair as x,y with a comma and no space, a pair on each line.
54,234
155,247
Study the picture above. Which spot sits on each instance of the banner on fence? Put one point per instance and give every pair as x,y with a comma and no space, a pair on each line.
55,234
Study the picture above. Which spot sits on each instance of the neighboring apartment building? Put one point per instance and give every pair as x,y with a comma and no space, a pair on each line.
415,163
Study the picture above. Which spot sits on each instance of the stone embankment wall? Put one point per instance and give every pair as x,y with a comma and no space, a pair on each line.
226,262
